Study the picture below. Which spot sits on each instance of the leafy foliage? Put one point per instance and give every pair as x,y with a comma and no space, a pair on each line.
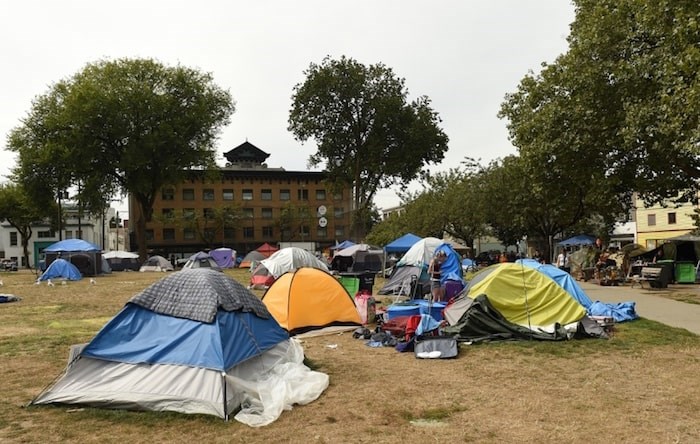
367,133
124,126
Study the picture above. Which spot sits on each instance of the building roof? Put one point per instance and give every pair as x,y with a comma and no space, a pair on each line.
246,153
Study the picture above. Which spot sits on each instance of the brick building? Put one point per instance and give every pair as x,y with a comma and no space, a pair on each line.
244,205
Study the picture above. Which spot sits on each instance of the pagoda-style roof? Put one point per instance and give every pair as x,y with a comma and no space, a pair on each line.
246,154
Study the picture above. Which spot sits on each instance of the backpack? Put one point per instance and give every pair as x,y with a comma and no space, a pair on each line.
366,307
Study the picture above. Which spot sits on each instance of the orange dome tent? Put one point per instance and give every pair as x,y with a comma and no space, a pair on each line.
310,299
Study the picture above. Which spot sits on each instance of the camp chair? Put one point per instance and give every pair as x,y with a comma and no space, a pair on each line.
407,288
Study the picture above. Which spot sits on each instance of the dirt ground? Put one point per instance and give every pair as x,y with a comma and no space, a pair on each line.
624,389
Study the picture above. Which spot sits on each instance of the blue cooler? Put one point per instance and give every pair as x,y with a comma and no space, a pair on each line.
396,310
435,309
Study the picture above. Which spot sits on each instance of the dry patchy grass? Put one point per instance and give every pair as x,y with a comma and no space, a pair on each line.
640,386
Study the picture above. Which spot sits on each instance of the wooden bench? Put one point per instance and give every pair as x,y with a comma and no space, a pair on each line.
649,274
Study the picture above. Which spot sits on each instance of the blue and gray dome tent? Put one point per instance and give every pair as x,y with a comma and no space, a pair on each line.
198,326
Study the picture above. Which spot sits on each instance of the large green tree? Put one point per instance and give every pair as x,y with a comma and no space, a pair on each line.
129,126
620,110
367,133
21,212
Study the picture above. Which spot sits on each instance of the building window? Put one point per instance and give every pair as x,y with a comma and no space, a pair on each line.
188,234
13,238
167,213
338,195
303,195
149,234
227,194
229,233
207,194
209,233
285,195
304,231
45,234
69,234
209,213
79,234
248,233
248,194
188,213
338,212
267,213
266,194
168,234
303,212
320,194
248,213
339,231
268,232
167,194
321,232
651,219
286,233
188,194
671,218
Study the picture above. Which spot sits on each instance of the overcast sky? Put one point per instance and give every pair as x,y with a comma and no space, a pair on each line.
463,54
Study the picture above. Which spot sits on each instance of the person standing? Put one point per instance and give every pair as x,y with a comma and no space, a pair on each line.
435,272
563,260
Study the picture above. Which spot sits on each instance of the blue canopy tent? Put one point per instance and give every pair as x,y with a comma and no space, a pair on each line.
86,256
402,244
399,246
581,239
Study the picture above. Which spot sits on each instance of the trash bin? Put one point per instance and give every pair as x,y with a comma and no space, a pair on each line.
351,284
685,273
366,279
666,276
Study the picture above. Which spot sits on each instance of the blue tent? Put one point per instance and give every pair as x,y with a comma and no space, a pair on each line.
71,245
195,342
61,268
402,244
581,239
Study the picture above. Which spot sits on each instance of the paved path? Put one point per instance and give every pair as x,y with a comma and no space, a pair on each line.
650,304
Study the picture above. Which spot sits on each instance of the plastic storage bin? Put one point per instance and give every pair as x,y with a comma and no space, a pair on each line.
396,310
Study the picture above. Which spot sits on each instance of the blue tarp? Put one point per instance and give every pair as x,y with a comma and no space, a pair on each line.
137,335
71,245
402,244
452,267
61,268
623,311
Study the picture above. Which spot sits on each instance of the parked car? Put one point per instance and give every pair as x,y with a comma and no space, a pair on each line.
8,265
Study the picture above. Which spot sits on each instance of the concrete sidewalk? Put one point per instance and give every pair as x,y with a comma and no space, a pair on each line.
650,303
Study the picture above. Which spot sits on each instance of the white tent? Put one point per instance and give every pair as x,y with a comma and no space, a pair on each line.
118,254
290,259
